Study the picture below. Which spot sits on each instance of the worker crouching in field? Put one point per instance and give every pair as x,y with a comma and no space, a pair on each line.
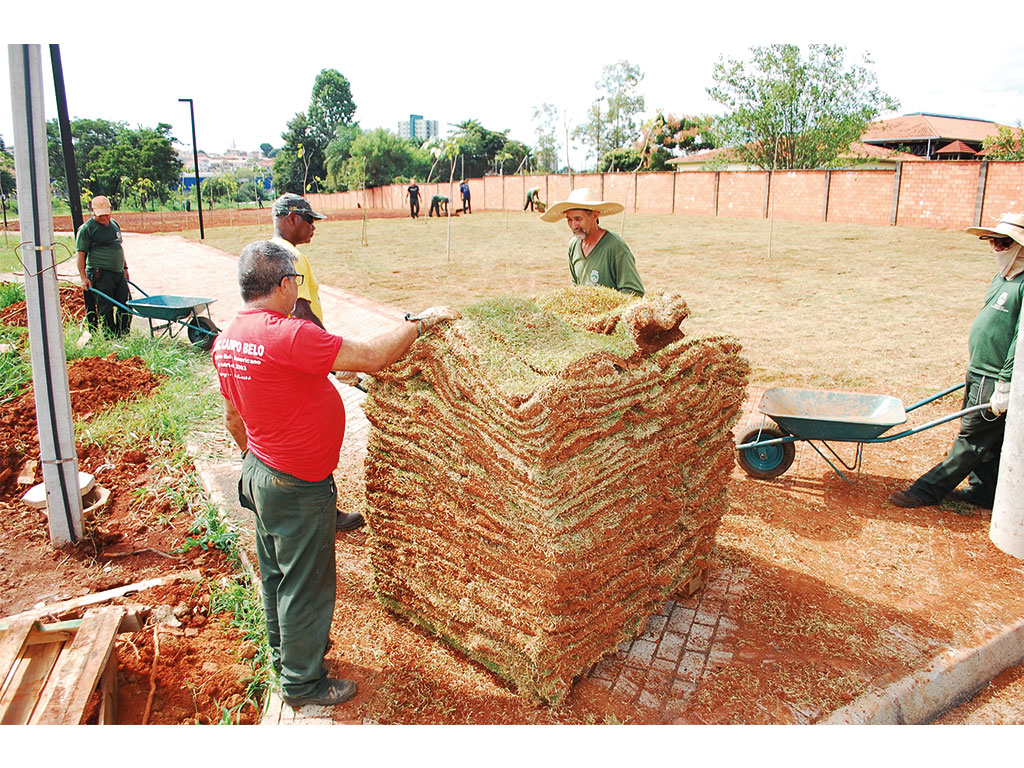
289,421
596,256
991,345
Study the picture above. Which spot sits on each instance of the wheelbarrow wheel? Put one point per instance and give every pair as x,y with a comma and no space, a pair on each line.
203,339
769,461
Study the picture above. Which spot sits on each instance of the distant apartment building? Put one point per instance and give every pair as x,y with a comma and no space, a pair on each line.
417,127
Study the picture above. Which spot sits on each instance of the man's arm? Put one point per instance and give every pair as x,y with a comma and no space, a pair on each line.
233,421
86,283
304,311
380,352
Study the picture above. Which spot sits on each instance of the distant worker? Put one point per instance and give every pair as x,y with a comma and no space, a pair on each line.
596,256
532,196
436,202
464,191
101,265
991,344
289,422
412,192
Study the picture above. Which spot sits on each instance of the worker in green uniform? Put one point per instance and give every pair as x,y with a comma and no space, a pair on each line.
436,202
101,266
991,345
596,256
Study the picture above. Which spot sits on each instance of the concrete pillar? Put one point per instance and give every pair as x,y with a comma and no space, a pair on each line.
1007,527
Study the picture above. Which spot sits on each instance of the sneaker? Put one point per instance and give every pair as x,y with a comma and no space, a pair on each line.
336,691
349,521
907,499
965,495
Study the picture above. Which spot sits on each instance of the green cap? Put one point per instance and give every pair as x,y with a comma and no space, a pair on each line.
292,203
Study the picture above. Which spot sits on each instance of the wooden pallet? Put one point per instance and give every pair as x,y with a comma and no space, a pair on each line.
49,671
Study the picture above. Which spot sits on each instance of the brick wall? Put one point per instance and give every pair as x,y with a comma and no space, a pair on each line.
932,194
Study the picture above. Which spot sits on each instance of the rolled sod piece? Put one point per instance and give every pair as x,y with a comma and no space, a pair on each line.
544,473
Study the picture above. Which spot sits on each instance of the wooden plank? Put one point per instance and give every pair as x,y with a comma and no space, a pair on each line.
83,663
108,690
32,672
102,597
11,644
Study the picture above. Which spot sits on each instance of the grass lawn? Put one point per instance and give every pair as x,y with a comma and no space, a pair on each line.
832,306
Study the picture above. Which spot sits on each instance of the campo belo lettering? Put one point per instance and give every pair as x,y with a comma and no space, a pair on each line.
234,345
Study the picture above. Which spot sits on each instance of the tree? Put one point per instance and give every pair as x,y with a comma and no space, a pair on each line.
668,136
786,111
1006,144
546,151
7,181
300,165
611,119
379,157
337,153
481,150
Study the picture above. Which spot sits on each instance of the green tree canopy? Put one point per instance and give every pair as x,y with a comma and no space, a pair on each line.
1006,144
481,150
668,136
126,164
380,157
7,181
301,164
787,111
611,119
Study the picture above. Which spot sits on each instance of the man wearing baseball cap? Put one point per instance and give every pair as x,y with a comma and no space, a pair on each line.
101,266
991,345
295,225
596,256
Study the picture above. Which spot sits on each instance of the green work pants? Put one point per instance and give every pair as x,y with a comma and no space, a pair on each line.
295,546
974,453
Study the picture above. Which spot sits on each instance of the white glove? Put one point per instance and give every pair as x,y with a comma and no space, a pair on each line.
430,317
1000,398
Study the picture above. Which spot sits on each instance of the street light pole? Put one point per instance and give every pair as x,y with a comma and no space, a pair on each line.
195,160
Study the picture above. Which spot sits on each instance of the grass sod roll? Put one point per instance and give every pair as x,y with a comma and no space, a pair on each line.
543,473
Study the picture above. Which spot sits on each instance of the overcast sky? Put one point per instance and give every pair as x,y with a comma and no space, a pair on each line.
250,66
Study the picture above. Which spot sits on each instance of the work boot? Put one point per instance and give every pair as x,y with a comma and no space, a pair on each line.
907,499
349,521
335,691
965,495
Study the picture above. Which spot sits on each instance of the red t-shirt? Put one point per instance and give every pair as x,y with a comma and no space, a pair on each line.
274,370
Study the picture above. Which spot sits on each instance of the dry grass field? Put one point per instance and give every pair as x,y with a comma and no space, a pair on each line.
830,306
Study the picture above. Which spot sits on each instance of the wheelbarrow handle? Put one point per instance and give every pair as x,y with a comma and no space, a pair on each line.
943,393
930,424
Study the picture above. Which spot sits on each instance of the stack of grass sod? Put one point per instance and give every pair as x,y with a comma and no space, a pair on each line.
543,474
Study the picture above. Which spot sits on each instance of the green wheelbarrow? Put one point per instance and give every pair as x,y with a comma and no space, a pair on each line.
169,315
822,416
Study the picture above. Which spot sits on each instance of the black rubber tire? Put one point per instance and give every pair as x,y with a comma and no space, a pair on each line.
200,339
767,462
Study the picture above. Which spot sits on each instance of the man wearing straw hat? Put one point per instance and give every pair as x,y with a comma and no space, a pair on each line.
991,345
101,265
596,256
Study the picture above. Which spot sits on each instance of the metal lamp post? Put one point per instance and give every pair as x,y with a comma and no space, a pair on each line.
195,160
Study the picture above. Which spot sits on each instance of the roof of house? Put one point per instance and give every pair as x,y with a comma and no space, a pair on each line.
956,148
922,126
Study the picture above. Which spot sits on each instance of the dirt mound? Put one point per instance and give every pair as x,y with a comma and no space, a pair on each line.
71,302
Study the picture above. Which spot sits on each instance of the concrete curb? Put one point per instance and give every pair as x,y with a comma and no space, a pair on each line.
951,678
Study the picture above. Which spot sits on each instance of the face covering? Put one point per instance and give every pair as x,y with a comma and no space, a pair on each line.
1011,261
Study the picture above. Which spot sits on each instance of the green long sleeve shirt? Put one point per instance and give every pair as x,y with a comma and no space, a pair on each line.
993,337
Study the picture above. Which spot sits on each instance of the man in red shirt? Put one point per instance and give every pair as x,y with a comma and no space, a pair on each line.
288,419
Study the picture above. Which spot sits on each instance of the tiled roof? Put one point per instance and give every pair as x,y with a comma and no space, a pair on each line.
923,126
955,147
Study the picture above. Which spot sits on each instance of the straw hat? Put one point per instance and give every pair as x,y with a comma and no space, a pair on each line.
1010,225
584,199
100,205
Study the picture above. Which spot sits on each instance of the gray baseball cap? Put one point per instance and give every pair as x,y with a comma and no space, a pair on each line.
292,203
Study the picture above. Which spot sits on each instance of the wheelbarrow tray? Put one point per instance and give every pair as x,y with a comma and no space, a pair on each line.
168,307
812,414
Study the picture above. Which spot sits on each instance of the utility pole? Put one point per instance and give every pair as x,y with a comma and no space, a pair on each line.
195,161
46,335
1007,527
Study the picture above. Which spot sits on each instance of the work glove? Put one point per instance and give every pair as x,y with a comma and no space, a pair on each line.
1000,398
430,317
347,377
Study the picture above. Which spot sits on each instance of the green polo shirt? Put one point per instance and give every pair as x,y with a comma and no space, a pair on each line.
101,245
610,264
993,337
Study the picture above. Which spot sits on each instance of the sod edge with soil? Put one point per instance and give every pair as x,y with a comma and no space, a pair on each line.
543,474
